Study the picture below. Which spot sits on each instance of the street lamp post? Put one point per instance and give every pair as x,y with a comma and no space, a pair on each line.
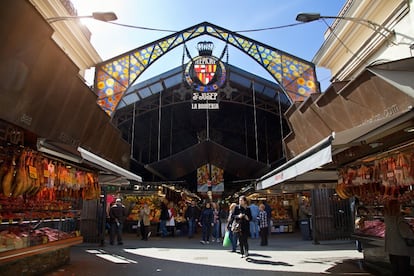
101,16
309,17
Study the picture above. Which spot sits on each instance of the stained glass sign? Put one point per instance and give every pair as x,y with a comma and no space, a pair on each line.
113,77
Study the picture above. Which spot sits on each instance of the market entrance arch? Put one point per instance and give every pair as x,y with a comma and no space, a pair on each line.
114,76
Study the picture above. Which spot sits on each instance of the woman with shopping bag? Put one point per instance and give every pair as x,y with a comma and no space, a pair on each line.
232,236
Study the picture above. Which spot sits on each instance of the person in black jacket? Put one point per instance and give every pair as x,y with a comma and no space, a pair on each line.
243,215
192,214
117,215
164,216
206,222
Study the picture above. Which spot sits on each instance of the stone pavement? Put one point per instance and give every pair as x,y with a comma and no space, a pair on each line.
287,254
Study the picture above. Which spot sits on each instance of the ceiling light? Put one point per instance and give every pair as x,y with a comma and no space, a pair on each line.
375,144
409,129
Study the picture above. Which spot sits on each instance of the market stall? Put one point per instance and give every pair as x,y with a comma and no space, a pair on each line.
134,203
45,202
152,194
373,181
40,204
284,208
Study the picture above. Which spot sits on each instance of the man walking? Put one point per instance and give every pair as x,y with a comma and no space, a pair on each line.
117,214
254,227
192,214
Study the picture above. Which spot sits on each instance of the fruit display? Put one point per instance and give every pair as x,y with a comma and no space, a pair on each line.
134,204
137,201
282,213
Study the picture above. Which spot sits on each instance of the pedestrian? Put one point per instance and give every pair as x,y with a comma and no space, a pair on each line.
145,222
232,235
216,222
223,216
305,211
117,215
206,222
170,224
268,210
254,227
242,215
164,216
396,231
192,214
263,225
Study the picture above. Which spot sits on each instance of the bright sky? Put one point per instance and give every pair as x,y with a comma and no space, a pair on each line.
235,15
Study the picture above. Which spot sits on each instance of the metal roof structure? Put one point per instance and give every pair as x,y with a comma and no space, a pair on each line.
173,147
170,140
174,78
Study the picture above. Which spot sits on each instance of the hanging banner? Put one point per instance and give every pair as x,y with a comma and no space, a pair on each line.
204,182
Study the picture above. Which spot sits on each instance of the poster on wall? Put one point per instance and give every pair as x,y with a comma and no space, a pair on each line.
204,180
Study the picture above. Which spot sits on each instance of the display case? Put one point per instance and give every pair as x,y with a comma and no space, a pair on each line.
36,235
370,233
30,222
369,221
282,220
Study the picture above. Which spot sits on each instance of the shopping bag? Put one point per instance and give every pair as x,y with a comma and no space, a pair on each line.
226,240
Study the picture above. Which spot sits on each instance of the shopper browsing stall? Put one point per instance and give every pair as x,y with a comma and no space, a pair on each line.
145,222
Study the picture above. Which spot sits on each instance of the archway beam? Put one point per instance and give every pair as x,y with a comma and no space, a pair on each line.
114,76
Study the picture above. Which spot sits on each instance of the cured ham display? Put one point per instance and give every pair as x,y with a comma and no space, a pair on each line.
31,175
7,181
21,184
390,177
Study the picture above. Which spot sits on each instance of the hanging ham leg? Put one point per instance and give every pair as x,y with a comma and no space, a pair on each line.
8,179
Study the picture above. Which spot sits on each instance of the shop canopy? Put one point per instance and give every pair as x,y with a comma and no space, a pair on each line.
95,159
312,165
311,159
110,173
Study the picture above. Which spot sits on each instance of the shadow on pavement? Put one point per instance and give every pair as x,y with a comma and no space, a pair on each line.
258,255
349,266
266,262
